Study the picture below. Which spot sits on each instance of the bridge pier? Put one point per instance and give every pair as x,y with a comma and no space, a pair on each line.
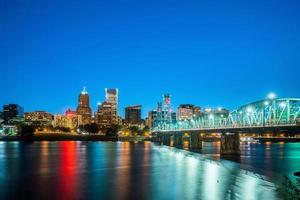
177,142
166,139
195,141
159,138
230,144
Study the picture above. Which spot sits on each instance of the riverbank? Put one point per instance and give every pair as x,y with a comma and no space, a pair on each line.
58,137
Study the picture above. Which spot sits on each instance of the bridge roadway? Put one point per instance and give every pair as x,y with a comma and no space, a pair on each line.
230,136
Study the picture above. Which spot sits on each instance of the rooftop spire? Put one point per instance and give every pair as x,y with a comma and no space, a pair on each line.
84,90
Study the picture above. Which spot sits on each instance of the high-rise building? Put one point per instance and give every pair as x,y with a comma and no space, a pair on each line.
152,117
111,97
38,118
104,116
12,113
133,115
83,108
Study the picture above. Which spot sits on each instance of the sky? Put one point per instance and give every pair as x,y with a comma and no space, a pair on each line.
208,53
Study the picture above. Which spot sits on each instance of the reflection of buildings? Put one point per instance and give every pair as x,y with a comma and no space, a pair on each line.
133,115
83,108
69,120
12,113
38,118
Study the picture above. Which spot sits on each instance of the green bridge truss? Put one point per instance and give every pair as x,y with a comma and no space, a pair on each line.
264,113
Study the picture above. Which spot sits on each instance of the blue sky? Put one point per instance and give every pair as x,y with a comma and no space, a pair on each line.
215,53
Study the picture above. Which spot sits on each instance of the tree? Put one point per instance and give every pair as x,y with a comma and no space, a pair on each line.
134,130
91,128
112,132
27,131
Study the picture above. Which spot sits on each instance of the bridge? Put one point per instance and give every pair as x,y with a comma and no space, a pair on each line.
271,115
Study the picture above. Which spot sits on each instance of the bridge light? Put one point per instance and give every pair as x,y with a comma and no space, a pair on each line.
271,96
282,104
249,110
219,108
211,116
266,103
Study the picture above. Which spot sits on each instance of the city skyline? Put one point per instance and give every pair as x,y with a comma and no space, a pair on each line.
204,53
144,113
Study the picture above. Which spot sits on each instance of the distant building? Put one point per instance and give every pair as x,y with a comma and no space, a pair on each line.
133,115
111,97
38,118
185,111
173,117
69,120
188,111
1,118
197,111
104,116
83,108
12,113
152,118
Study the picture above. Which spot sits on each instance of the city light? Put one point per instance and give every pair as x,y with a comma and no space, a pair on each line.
249,110
282,104
271,96
207,109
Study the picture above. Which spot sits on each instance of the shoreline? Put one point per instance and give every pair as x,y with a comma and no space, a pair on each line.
97,137
58,137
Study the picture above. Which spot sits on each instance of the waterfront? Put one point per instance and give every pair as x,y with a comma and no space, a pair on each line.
123,170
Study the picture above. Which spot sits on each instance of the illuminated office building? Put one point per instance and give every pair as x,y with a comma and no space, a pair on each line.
83,108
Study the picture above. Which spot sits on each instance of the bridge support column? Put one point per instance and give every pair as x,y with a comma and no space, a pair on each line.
195,141
230,144
166,139
177,139
159,138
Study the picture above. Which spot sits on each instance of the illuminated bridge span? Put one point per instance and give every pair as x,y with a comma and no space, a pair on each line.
264,113
265,116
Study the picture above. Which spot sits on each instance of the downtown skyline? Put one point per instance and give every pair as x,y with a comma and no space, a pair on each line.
207,54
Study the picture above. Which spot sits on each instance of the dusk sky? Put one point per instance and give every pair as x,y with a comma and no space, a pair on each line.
208,53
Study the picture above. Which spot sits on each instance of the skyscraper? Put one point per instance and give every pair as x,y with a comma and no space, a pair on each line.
83,108
111,97
104,115
133,115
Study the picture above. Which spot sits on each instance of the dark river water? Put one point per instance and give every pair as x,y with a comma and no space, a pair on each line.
123,170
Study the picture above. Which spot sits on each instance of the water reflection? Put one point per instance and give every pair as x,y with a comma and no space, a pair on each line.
99,170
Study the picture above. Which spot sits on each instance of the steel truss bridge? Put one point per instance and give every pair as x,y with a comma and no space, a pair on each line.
267,113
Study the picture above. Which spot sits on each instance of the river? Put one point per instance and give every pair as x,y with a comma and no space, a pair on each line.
123,170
